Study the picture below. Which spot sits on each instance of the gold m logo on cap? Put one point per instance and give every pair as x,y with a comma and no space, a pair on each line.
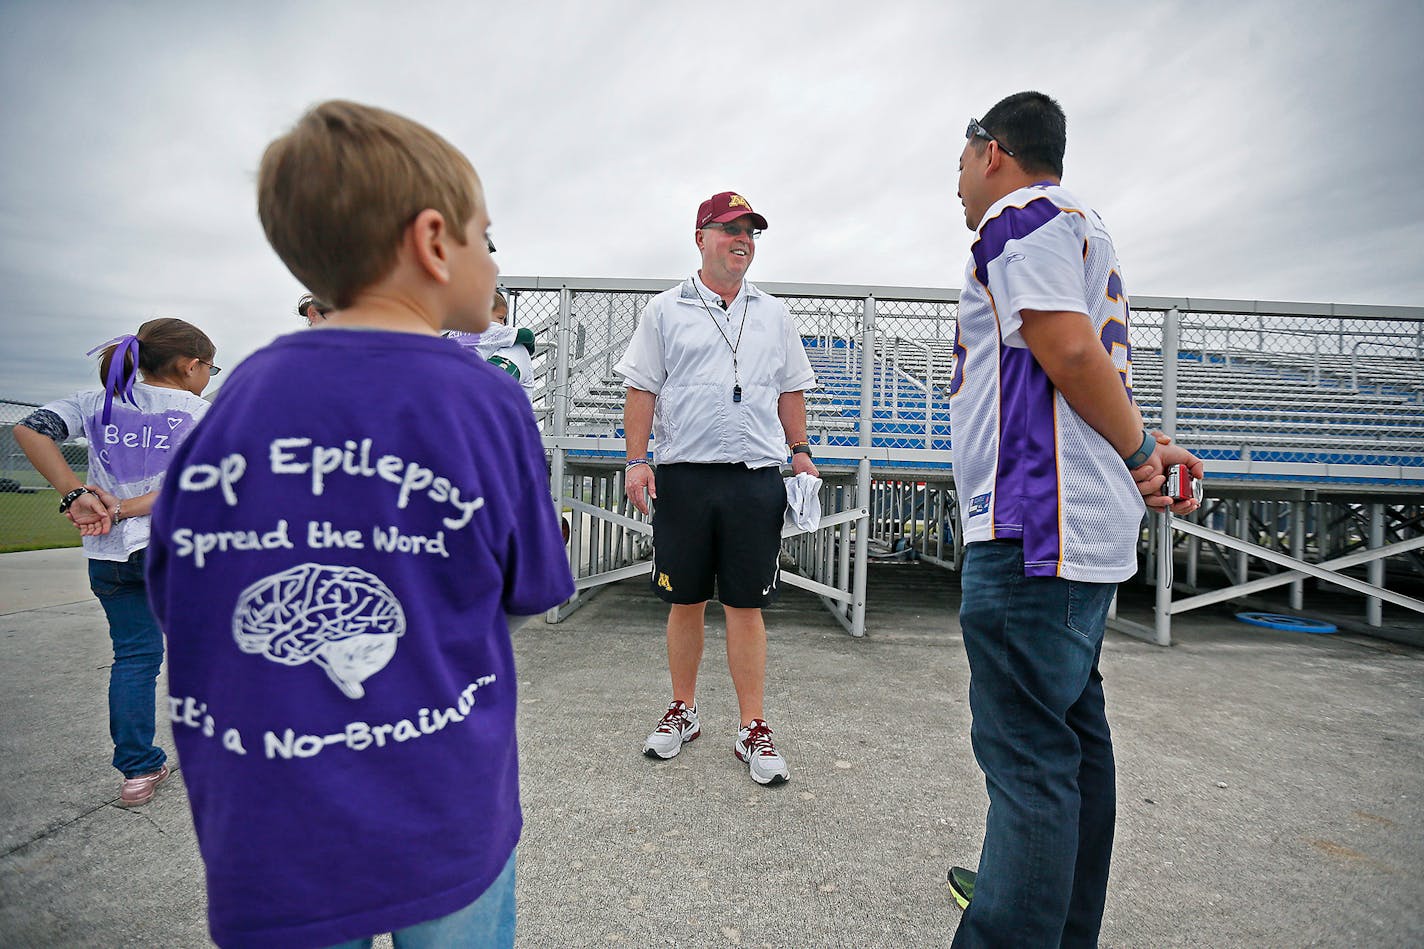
737,201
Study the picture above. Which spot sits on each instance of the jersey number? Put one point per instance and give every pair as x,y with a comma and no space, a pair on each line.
957,379
1114,333
1113,336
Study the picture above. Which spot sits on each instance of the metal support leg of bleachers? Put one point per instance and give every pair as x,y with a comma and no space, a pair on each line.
1373,609
1159,534
558,423
1328,571
1297,587
862,476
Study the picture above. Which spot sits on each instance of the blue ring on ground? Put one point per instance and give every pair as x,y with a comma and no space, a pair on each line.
1294,624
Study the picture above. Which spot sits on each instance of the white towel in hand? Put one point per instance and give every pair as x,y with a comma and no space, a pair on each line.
803,502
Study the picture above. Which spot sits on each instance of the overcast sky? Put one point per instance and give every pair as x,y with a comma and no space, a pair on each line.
1264,151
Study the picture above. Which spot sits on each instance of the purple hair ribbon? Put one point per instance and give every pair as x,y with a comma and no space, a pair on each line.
117,380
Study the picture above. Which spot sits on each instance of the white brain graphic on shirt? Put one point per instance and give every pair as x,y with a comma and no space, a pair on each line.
342,618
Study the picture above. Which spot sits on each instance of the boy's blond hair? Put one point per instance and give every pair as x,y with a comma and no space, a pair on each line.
336,193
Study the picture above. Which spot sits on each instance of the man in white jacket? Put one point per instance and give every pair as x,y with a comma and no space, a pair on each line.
716,371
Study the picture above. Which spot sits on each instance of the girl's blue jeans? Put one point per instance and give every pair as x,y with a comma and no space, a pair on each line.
138,654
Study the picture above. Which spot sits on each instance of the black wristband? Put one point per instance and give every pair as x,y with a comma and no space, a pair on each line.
70,498
803,450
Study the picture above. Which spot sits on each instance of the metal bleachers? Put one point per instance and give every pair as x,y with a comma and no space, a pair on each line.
1287,409
1311,418
906,412
1270,411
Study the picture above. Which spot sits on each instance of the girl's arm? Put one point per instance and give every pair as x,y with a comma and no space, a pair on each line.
124,508
49,461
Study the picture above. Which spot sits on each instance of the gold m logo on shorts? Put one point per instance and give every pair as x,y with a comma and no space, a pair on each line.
664,582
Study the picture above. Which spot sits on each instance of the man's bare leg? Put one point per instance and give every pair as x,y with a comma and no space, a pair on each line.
746,658
684,647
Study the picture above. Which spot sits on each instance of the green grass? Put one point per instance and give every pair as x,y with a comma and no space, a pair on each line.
33,522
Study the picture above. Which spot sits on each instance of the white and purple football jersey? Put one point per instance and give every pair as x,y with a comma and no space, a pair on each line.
1026,466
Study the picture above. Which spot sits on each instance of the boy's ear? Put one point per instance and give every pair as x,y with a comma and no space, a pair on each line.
430,239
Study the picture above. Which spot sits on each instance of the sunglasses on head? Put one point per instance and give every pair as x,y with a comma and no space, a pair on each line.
975,130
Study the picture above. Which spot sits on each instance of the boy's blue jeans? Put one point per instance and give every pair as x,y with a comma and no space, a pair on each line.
1040,734
138,654
487,923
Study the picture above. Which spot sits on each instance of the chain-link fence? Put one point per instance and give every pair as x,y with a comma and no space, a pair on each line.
29,507
1287,387
1281,392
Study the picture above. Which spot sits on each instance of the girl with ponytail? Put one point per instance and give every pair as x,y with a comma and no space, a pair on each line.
148,406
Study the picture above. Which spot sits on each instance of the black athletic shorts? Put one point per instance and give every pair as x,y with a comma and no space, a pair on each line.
717,528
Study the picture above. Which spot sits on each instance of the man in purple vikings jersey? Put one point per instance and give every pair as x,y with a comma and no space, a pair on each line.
1051,465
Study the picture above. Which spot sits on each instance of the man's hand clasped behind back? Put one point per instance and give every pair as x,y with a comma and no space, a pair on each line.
1151,476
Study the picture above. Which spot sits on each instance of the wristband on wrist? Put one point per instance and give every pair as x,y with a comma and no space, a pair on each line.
70,498
635,462
1139,457
802,448
118,512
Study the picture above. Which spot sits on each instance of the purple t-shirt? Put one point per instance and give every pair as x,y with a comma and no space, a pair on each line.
332,559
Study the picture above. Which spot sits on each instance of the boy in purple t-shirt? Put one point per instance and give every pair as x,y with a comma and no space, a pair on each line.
339,557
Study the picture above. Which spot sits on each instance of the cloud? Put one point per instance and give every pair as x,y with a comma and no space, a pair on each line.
1259,151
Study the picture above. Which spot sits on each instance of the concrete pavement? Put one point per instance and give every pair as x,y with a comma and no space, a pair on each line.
1271,785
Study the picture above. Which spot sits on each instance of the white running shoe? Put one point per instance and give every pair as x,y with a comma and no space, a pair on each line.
763,760
679,726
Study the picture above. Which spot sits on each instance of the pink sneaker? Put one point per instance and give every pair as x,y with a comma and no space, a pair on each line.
139,790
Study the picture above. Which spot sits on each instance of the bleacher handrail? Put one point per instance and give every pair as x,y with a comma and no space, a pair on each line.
1204,305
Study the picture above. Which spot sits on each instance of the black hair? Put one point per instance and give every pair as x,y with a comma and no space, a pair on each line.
1034,128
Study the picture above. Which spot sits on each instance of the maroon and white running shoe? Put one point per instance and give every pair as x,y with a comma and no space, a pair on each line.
678,727
763,760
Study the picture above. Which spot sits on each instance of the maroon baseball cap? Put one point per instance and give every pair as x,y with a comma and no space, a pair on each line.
727,206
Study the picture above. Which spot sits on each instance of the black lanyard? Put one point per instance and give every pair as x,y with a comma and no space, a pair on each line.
746,301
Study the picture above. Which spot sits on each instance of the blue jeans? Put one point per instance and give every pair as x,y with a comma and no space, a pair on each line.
1040,734
138,653
487,923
